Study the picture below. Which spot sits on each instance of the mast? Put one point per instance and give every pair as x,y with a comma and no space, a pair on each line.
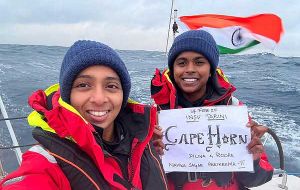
175,26
11,132
170,19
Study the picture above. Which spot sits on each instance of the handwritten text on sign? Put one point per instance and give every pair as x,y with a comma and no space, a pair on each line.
206,139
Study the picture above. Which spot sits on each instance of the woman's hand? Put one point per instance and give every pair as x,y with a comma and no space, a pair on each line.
256,129
255,146
157,140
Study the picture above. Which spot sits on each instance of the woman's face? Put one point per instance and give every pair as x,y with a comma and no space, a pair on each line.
191,73
97,95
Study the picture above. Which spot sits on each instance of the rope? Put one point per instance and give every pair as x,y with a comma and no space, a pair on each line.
19,146
12,147
13,118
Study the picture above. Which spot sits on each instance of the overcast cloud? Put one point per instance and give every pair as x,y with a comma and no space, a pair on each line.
130,25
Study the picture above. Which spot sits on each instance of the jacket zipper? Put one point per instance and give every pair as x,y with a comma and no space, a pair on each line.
120,163
131,174
131,164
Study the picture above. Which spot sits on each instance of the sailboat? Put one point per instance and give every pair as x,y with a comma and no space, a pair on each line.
281,179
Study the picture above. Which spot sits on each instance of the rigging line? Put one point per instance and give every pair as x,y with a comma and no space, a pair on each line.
13,118
169,27
12,147
11,132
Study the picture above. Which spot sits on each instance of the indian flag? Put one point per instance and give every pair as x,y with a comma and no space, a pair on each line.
235,34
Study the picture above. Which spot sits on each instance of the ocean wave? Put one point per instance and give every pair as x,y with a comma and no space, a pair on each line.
6,66
297,64
285,127
288,132
281,83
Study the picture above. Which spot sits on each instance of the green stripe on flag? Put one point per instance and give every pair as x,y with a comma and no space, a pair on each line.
224,50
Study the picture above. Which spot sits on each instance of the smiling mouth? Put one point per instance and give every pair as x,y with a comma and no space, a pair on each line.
98,113
189,80
97,117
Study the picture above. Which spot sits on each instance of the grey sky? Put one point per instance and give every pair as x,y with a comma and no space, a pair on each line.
136,24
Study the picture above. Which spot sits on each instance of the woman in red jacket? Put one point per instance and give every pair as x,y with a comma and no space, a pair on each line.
91,136
194,80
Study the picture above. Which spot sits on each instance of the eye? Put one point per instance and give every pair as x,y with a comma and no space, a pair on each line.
113,86
199,62
181,62
81,85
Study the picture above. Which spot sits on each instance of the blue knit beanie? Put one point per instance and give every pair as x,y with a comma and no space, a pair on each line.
83,54
198,41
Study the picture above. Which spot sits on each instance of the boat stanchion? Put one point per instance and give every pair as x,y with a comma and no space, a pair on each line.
280,172
283,182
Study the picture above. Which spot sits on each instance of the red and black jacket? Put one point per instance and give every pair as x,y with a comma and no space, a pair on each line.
79,153
219,91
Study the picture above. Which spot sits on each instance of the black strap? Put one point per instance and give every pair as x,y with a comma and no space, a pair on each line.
180,178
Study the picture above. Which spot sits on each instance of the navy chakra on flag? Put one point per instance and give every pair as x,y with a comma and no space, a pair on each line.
237,38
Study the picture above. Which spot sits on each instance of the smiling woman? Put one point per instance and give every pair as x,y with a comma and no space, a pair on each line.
91,136
98,98
193,80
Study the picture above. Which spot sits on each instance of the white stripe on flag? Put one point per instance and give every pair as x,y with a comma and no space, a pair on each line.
231,37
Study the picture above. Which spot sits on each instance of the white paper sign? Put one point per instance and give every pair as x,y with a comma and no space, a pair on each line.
206,139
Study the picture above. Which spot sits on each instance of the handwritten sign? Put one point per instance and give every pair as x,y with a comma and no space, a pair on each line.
206,139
